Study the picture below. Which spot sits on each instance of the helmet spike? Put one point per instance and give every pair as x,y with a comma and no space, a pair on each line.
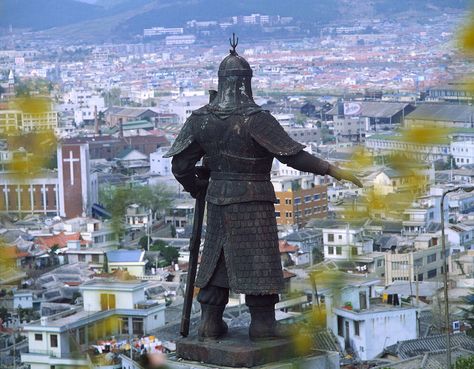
233,43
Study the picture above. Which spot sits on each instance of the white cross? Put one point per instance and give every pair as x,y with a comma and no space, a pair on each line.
71,161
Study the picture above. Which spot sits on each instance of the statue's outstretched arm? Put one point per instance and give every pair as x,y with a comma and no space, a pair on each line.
308,163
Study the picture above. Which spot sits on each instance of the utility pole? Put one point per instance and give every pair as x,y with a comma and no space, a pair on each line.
445,271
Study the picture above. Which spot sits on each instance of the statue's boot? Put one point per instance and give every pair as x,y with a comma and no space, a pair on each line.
263,325
212,325
213,300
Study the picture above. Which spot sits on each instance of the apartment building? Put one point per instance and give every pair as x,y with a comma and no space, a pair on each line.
365,324
423,260
110,308
299,199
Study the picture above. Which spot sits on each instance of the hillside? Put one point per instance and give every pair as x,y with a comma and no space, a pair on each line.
119,19
44,14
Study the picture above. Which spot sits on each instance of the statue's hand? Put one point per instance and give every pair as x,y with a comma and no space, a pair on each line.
200,187
201,181
341,174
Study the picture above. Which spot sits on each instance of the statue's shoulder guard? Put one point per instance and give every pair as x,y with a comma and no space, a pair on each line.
266,130
184,139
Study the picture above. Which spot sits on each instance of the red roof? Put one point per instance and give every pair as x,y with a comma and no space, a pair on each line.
60,240
284,246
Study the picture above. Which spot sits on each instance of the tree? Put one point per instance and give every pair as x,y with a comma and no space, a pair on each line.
469,311
465,363
318,256
170,254
143,242
112,96
4,314
116,200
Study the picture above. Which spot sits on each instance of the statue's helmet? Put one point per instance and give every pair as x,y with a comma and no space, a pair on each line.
234,65
235,76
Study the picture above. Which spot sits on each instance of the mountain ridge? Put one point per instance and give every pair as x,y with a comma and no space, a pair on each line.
108,19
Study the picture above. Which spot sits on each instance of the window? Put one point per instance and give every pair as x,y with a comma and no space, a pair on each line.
297,200
354,251
419,277
288,214
277,201
363,300
316,197
431,258
38,337
432,273
53,339
356,328
338,250
307,198
81,257
137,325
340,326
95,258
124,326
288,201
331,250
277,214
330,237
339,237
418,262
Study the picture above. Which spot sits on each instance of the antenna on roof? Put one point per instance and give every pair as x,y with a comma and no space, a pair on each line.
233,43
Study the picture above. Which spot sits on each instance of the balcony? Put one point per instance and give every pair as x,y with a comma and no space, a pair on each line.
49,357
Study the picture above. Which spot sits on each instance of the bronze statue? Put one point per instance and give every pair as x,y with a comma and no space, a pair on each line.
238,141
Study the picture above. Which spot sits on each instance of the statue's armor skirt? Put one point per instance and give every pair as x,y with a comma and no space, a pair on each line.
246,234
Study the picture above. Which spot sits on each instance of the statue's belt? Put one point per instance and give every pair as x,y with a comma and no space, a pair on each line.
228,176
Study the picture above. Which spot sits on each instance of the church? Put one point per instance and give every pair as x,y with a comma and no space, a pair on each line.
68,192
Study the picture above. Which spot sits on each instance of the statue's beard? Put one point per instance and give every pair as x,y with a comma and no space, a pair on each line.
233,92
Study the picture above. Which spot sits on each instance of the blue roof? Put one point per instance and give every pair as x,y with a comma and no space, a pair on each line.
124,256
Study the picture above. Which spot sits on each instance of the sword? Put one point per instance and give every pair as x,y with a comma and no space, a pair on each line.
194,245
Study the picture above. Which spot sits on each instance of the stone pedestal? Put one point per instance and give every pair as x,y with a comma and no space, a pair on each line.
235,350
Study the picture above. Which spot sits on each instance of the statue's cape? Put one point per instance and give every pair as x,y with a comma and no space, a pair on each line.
262,126
186,136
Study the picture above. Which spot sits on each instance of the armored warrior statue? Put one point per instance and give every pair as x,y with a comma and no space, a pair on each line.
238,141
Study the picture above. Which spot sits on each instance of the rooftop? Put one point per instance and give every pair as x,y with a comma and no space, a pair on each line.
375,109
415,347
125,256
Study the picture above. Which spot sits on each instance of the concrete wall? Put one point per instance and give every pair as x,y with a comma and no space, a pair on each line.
123,299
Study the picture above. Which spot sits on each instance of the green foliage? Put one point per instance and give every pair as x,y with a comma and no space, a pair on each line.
300,119
112,96
115,200
170,254
465,363
326,134
318,256
143,242
445,165
4,314
37,86
27,314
